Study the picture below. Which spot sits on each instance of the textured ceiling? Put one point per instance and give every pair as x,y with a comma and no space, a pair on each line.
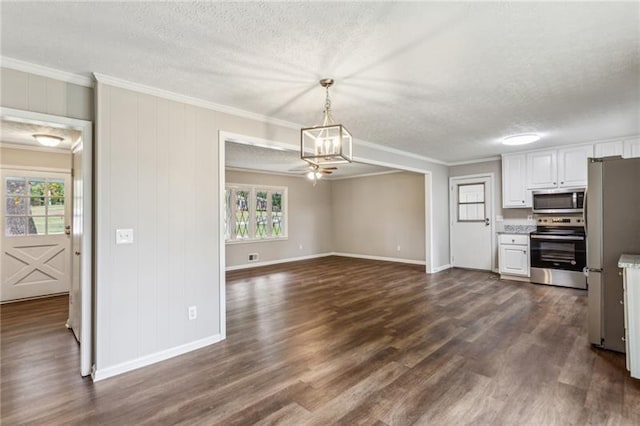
253,157
439,79
22,134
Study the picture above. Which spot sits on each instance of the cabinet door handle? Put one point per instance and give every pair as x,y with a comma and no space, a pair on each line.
561,183
554,183
524,251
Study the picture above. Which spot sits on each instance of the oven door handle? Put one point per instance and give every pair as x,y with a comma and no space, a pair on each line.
557,237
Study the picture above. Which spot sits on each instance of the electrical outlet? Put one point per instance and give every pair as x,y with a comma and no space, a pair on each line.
398,248
253,257
299,246
193,312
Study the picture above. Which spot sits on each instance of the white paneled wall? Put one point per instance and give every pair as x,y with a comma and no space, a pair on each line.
156,173
29,92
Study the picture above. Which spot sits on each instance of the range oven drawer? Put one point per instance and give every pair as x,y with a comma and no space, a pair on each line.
513,239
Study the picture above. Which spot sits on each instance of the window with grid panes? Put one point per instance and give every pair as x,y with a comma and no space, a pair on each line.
34,206
255,213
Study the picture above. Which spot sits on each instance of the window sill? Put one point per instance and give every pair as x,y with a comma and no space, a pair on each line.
256,240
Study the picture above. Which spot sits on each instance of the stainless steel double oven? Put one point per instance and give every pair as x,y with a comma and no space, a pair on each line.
559,252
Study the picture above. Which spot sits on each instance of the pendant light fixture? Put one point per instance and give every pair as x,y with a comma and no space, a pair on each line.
48,140
328,143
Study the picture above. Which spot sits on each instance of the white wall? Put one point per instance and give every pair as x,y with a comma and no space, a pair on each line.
156,173
34,93
374,215
309,222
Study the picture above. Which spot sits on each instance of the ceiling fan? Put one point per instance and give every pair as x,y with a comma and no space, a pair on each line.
314,172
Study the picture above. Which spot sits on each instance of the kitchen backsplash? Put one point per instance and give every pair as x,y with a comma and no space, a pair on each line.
517,226
519,229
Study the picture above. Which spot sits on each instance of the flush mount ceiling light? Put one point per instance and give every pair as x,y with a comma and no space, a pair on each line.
521,139
328,143
48,140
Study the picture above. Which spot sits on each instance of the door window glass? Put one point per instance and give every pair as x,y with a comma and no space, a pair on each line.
471,201
34,206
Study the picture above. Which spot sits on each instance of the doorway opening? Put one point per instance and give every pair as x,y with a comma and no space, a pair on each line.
46,216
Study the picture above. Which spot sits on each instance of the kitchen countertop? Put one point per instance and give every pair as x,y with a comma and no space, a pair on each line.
517,229
629,261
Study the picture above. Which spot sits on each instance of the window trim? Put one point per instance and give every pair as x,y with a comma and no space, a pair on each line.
459,203
253,188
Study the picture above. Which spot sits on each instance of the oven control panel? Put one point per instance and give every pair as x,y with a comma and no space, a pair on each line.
559,221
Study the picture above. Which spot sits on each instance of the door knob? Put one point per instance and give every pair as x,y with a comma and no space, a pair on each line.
486,222
67,229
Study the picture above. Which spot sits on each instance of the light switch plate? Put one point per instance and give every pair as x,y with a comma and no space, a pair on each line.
124,236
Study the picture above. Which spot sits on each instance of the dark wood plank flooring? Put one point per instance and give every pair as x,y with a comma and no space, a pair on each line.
340,341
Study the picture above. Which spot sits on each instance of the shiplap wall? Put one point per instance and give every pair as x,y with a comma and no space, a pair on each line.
156,173
29,92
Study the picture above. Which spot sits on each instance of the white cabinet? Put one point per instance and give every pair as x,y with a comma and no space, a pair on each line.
631,293
631,148
572,165
608,149
558,168
542,169
514,181
513,254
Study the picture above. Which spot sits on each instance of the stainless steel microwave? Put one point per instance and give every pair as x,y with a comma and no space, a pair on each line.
559,200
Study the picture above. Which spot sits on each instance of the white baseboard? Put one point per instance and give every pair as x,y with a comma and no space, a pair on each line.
385,259
275,262
440,268
104,373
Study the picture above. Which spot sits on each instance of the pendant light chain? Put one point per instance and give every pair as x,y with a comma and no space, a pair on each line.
328,118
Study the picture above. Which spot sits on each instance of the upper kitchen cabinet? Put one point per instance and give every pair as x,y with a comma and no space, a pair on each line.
631,148
514,181
542,169
558,168
572,165
608,149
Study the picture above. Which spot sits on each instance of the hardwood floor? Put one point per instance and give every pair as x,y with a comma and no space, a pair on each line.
340,341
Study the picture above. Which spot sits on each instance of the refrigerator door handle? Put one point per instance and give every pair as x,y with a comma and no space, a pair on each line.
584,212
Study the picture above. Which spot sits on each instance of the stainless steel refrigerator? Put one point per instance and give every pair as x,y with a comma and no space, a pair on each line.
613,227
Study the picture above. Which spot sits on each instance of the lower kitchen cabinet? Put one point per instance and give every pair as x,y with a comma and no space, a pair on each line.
631,303
513,255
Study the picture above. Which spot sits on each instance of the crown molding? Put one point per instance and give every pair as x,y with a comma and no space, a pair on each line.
398,152
479,160
43,71
190,100
264,172
386,172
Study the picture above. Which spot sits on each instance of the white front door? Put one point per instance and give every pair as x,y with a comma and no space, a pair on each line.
35,234
471,218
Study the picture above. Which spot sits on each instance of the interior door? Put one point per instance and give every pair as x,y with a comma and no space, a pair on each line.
81,300
471,223
75,303
35,234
